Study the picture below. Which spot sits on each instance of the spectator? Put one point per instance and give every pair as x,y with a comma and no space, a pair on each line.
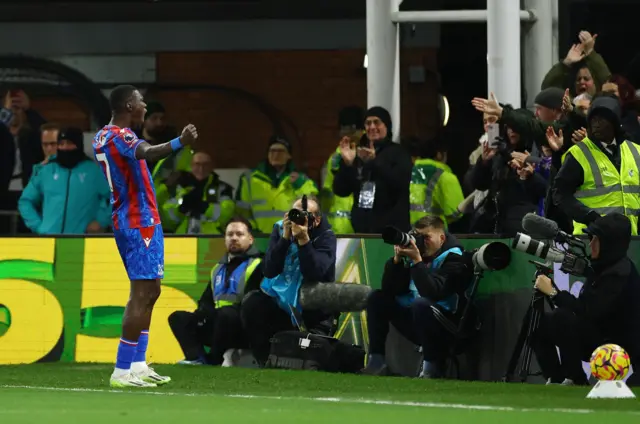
199,202
216,322
582,69
514,188
267,192
626,92
377,175
69,195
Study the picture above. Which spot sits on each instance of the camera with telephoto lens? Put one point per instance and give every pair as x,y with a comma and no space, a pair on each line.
298,216
391,235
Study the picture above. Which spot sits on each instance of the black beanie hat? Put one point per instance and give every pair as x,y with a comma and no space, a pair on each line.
72,134
383,115
550,97
153,107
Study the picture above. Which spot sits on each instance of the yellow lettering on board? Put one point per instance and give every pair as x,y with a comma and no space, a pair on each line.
36,321
105,283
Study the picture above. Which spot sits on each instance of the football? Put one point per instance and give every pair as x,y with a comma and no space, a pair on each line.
610,362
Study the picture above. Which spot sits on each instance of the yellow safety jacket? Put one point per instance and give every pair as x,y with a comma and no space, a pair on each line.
339,208
227,296
434,190
264,197
219,196
604,189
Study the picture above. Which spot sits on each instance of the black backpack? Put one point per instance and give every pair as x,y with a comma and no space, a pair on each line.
297,350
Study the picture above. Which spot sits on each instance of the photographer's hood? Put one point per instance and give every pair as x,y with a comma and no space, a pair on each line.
614,232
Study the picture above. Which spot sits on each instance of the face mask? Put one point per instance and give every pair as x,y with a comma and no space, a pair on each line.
70,158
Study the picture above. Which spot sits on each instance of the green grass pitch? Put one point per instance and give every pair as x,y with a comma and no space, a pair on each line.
79,393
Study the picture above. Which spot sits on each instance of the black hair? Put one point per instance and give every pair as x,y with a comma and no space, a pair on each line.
119,98
241,220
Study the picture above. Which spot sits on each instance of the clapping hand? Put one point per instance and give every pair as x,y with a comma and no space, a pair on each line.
347,152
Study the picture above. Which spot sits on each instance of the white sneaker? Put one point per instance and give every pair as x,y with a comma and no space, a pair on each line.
568,382
231,357
150,376
128,380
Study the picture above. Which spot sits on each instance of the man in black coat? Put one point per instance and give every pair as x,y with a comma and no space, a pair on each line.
605,312
377,173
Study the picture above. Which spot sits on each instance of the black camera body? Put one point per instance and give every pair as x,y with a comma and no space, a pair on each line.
299,217
391,235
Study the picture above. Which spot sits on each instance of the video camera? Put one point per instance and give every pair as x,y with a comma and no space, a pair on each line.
303,216
573,261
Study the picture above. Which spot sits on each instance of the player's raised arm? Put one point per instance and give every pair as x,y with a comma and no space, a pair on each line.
155,153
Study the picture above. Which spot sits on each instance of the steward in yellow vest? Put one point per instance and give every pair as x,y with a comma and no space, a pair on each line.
267,192
338,207
434,189
198,202
216,323
600,175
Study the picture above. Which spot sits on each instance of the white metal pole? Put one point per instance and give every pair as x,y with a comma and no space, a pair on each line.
503,50
442,16
383,70
539,54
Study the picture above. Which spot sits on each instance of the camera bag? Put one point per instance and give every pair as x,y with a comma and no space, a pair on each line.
297,350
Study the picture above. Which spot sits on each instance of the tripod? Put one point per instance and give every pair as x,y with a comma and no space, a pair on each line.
530,324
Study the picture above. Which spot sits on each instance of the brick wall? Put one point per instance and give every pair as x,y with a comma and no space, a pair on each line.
308,87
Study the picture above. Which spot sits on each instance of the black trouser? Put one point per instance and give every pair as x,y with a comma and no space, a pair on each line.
220,331
575,340
262,318
417,323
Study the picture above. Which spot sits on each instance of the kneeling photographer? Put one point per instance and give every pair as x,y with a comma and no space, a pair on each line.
605,312
425,279
302,248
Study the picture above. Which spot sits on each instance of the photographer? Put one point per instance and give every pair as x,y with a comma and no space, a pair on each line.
421,284
605,312
298,252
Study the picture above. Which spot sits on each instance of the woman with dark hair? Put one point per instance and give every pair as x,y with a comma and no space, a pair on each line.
622,88
583,69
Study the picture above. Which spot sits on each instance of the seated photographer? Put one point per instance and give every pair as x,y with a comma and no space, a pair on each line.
605,312
420,283
302,248
216,323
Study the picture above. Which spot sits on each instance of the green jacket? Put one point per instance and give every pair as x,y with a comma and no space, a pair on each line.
560,75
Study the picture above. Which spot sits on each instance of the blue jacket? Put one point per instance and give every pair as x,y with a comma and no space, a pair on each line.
286,265
59,200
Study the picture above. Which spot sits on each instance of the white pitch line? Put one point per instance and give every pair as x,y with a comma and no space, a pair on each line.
362,401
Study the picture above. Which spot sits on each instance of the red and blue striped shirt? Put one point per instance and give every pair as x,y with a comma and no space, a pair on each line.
133,196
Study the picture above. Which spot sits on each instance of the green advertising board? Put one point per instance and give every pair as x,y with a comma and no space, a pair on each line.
62,299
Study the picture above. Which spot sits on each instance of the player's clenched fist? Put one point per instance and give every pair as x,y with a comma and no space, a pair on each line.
189,134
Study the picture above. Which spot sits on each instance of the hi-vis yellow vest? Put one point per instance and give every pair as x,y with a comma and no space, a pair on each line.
604,189
263,204
229,299
339,214
434,190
